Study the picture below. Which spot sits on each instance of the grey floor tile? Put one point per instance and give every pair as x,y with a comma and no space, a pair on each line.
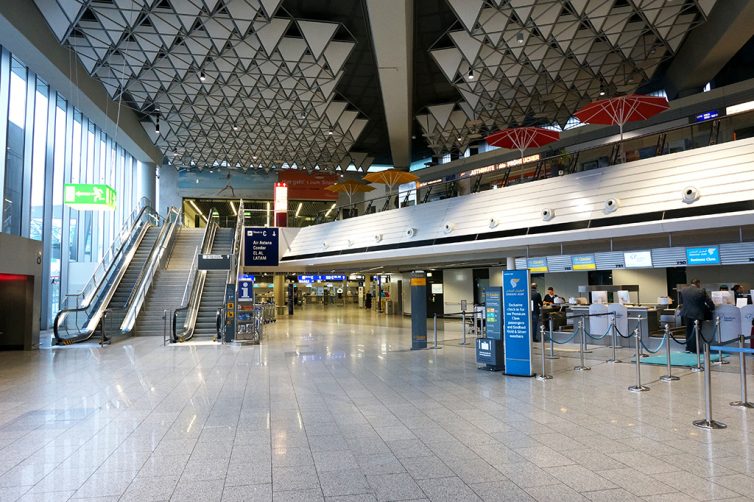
198,491
312,495
555,493
328,461
447,490
302,477
380,463
149,489
580,478
247,493
291,457
337,483
426,467
395,487
636,482
501,491
614,495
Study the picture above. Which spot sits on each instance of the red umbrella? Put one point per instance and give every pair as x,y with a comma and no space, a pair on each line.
621,110
521,138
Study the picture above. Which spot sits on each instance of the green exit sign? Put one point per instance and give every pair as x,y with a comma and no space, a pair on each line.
89,197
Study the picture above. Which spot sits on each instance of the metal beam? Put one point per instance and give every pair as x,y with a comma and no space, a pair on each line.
392,26
25,33
708,48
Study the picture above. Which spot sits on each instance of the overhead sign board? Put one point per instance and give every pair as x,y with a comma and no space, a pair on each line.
583,262
708,255
89,197
309,279
638,259
537,265
712,114
517,322
213,262
261,247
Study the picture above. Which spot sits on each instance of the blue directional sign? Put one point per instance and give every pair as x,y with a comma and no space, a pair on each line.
517,325
311,279
261,247
708,255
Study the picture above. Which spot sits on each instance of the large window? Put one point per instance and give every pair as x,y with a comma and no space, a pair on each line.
49,143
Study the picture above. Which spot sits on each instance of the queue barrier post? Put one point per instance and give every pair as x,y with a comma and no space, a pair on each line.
543,376
463,323
668,377
697,329
744,402
552,342
434,322
720,361
707,422
614,330
582,365
638,387
164,327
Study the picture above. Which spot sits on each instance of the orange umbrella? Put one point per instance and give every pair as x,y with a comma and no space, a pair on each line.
391,177
349,187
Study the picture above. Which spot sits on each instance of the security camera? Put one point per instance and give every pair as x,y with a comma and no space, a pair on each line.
448,227
377,237
690,194
493,223
324,245
611,205
548,214
410,232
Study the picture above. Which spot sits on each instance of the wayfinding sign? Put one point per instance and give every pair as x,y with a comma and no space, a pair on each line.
261,246
92,197
709,255
517,324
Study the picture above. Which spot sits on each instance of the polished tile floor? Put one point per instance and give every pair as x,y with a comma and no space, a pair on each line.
332,406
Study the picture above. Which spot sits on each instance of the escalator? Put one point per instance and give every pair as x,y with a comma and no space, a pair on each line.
213,293
110,301
205,290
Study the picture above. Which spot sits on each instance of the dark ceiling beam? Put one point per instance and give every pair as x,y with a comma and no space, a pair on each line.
709,47
25,32
391,23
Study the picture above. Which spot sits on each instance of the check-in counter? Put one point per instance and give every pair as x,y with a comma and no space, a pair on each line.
650,325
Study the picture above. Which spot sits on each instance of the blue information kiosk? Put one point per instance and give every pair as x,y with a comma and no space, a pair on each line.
517,327
489,350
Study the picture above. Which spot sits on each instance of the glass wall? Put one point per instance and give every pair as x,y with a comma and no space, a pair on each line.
48,142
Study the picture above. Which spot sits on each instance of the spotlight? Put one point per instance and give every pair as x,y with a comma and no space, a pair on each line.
202,76
157,126
471,74
520,37
235,127
329,133
602,90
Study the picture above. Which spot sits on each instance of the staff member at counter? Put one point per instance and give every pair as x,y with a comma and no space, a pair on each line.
549,298
536,307
694,301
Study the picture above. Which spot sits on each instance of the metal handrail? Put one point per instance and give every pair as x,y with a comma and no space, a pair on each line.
195,279
106,286
139,292
236,248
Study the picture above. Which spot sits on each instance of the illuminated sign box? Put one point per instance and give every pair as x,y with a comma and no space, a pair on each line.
537,265
638,259
89,197
709,255
583,262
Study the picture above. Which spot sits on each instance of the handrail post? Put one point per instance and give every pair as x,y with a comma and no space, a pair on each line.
744,402
582,365
552,342
698,367
668,377
543,376
164,326
707,422
638,387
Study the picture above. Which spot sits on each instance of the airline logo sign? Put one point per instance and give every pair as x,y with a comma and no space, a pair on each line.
583,262
709,255
537,265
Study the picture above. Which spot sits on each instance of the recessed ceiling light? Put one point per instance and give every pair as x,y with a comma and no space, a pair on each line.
329,133
520,37
202,76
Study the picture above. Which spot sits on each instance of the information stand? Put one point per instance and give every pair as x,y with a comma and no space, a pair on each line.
517,323
248,326
489,350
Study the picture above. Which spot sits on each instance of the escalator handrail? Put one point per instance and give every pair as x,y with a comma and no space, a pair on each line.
144,280
86,330
116,248
196,280
235,249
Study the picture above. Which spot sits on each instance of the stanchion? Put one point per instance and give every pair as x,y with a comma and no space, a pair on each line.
720,360
668,377
638,387
744,402
463,323
543,376
614,329
552,342
582,366
434,322
164,327
707,422
697,329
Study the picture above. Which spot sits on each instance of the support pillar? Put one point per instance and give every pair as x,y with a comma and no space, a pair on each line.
510,263
278,291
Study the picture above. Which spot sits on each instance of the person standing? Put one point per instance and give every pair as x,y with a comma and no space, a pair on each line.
694,302
536,308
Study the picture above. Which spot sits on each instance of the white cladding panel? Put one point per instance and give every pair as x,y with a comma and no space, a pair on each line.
721,173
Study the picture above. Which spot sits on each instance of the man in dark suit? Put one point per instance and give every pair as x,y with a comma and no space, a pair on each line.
536,301
693,303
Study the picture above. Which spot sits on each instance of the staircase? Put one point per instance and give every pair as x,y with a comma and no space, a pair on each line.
169,283
123,291
213,294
